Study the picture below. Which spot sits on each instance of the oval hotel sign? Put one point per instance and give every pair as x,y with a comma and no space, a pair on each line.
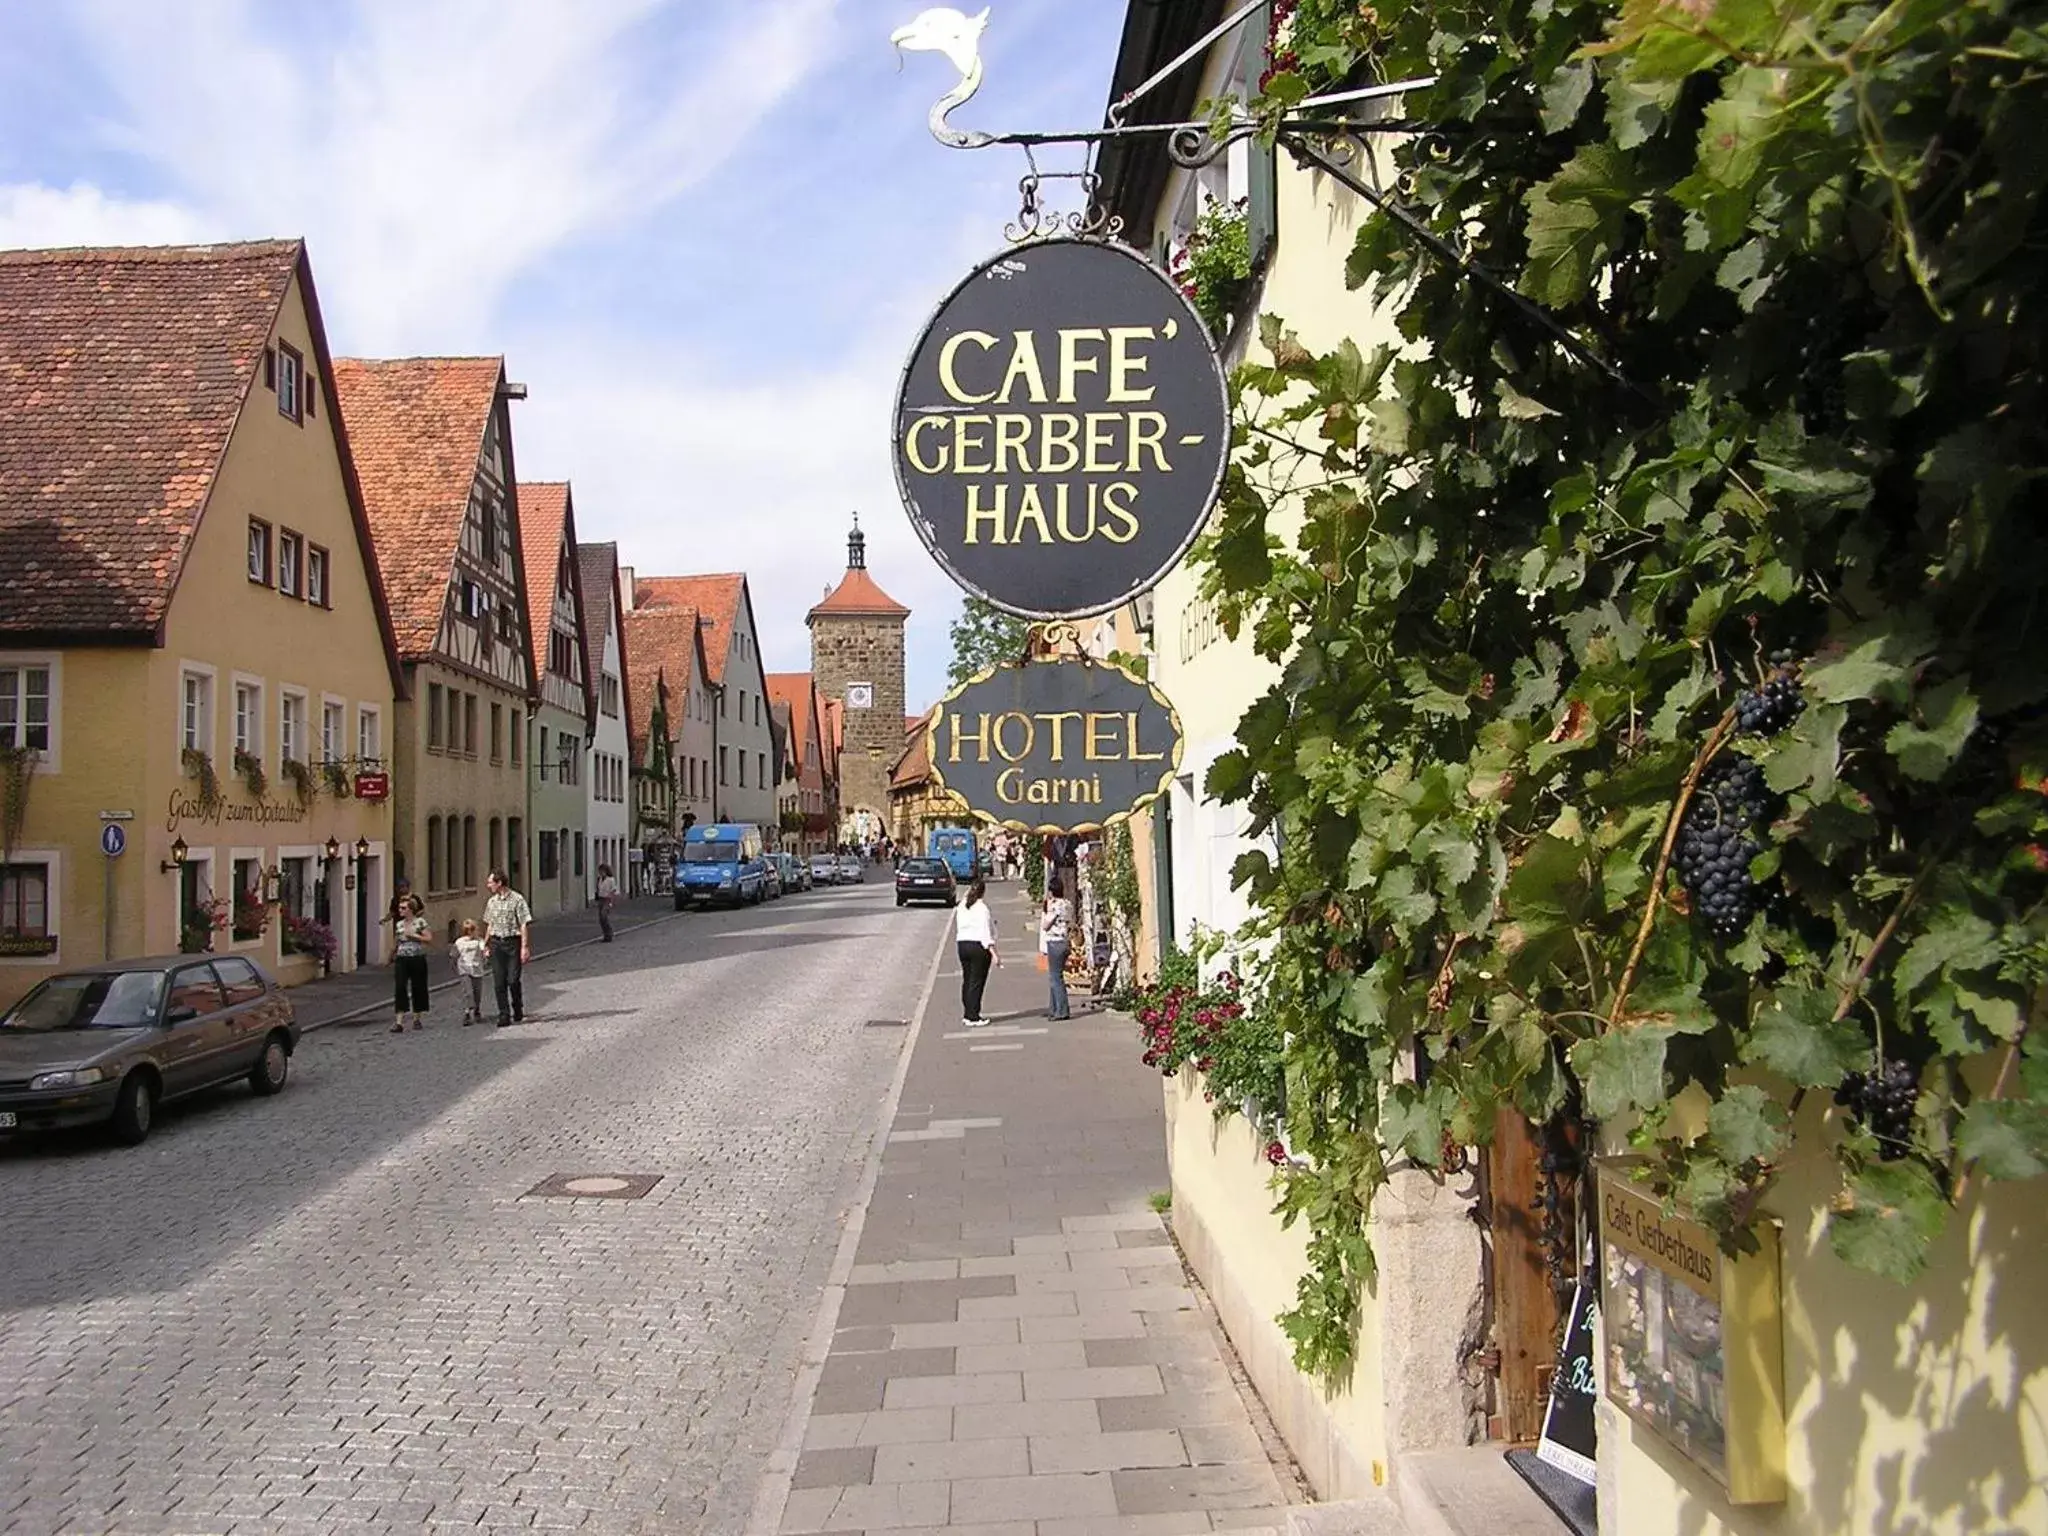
1061,429
1055,746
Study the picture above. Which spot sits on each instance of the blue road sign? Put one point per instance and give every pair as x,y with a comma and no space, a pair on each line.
113,841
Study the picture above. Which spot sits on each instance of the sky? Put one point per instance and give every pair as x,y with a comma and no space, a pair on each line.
703,233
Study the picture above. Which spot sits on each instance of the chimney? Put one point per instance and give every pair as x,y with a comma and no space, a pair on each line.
626,587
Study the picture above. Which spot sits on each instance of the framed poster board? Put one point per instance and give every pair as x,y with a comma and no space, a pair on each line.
1694,1340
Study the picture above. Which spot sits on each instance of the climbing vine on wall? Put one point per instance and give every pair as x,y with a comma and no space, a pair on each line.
1663,713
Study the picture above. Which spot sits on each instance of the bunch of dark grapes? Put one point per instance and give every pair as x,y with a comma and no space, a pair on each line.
1775,703
1716,841
1883,1101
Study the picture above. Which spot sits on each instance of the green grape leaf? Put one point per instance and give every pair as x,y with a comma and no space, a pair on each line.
1575,222
1894,1211
1947,715
2008,1139
1748,1123
1797,1037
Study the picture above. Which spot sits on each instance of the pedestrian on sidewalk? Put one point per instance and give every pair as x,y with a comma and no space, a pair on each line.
508,923
1052,943
607,898
409,964
974,933
472,960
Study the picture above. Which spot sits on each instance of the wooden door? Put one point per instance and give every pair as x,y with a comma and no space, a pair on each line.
1532,1222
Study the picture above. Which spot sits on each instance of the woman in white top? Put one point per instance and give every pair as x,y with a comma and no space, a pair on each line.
1052,943
974,930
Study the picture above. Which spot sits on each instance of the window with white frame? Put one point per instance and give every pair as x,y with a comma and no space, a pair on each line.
316,575
25,707
369,733
195,713
333,731
291,730
249,719
291,549
259,550
291,371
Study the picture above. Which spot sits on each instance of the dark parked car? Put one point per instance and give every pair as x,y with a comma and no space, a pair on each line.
109,1043
925,880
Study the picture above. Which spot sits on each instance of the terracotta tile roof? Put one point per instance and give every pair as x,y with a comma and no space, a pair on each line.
835,716
666,645
858,594
800,692
598,565
543,508
716,599
121,375
416,426
914,766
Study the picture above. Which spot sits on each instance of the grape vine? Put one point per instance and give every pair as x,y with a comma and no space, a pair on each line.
1544,805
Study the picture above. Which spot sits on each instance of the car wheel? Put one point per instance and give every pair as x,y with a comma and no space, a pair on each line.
272,1067
135,1109
682,905
901,899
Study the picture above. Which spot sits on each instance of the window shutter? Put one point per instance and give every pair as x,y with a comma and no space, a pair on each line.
1262,166
270,368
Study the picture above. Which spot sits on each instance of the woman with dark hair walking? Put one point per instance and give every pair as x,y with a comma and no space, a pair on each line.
974,931
409,963
1053,944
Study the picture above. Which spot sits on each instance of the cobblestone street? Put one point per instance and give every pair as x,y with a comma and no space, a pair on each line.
340,1309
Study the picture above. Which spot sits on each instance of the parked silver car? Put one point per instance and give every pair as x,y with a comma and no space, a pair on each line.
824,868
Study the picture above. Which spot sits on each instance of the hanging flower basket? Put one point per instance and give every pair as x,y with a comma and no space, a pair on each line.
334,774
199,766
300,777
250,772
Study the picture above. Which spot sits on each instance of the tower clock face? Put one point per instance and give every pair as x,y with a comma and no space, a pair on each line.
860,695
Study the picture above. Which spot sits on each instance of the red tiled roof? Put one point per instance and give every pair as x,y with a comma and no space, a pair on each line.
914,766
543,509
800,693
858,594
665,644
121,376
598,565
416,426
716,599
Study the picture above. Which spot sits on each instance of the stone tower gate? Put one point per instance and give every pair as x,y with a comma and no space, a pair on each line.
857,658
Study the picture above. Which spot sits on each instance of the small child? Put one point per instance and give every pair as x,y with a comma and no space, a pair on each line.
470,964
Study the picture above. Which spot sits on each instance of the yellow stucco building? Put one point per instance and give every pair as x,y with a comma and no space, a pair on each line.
195,664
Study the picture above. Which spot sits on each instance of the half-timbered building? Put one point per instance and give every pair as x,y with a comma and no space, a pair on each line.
604,653
564,718
432,439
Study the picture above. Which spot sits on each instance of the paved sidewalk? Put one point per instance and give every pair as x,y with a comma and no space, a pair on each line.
362,993
1016,1350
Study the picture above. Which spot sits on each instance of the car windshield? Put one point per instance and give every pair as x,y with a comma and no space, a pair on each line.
711,853
922,867
102,1000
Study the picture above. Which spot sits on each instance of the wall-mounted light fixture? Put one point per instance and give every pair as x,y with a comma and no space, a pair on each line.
333,850
177,858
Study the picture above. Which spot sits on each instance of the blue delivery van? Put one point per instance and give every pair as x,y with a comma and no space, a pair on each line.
722,863
956,846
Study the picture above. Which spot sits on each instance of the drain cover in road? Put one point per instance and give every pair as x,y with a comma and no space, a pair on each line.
593,1186
887,1023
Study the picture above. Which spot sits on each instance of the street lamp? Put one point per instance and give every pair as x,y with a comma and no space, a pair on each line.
177,858
333,850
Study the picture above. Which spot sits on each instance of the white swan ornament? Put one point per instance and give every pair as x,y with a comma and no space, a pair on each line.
942,29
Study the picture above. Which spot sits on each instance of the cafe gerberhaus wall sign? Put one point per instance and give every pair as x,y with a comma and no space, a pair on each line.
1055,746
1061,428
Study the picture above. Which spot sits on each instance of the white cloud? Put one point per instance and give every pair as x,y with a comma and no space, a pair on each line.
33,215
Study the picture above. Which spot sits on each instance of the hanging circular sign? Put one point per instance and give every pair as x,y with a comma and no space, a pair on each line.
1054,746
1061,429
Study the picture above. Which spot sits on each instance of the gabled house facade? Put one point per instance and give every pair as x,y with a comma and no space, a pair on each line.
671,730
782,767
564,717
608,811
432,439
742,787
197,667
797,692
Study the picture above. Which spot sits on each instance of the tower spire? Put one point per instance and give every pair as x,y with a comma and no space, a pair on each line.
856,547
